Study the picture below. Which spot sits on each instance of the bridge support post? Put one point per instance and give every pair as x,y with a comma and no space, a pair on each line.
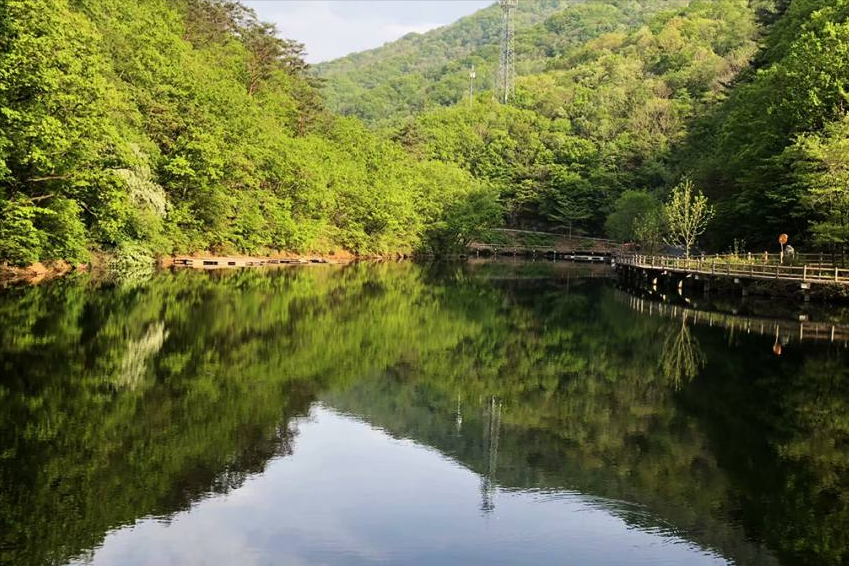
744,285
806,291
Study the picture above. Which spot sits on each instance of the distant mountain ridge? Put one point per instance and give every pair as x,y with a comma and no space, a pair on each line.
422,71
403,75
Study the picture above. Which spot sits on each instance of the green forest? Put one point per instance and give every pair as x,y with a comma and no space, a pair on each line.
148,128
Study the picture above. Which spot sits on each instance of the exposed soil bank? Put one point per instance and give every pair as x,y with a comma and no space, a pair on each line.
38,272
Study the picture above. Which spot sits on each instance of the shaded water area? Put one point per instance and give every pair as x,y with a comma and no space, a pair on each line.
403,414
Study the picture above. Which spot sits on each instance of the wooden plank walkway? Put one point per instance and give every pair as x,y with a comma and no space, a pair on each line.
543,251
737,269
788,330
508,242
238,261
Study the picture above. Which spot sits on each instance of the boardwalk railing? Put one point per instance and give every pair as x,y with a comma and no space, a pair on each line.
739,268
607,241
558,253
800,259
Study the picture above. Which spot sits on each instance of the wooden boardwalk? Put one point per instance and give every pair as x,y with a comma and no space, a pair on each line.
540,251
784,330
738,269
515,243
238,261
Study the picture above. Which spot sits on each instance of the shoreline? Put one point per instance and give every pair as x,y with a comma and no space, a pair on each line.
41,272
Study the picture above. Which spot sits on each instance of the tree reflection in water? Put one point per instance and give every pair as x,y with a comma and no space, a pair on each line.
682,360
124,402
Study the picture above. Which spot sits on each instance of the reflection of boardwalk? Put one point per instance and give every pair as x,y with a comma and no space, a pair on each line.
784,330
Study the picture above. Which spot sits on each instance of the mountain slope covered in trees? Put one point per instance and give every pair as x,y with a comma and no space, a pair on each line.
619,101
424,71
157,126
605,117
774,153
164,126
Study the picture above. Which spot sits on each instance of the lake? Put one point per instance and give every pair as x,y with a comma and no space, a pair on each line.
485,413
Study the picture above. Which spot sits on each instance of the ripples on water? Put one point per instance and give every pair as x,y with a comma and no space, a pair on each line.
398,414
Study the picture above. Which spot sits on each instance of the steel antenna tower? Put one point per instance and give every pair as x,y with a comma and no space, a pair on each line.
472,76
507,62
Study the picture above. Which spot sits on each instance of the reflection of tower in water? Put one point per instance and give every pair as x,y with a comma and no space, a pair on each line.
491,430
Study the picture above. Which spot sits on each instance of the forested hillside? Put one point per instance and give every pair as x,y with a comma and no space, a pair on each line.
160,126
424,71
620,101
775,152
608,116
155,126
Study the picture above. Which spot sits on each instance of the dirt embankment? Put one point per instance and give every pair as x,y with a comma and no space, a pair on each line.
38,272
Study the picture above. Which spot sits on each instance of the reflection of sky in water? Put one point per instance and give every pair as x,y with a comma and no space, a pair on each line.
350,494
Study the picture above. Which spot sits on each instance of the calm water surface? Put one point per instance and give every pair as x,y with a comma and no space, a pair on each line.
400,414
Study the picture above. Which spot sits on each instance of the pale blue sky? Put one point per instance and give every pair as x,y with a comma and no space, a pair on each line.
333,28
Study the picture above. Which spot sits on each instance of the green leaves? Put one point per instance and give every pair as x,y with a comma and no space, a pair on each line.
21,242
821,166
687,215
163,126
630,208
606,117
747,150
190,125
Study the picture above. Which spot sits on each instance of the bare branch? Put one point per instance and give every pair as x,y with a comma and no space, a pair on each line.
48,178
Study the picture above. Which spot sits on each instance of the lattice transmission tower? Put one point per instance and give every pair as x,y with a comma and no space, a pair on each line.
506,87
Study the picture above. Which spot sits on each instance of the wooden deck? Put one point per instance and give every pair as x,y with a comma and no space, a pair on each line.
515,243
237,261
539,251
738,269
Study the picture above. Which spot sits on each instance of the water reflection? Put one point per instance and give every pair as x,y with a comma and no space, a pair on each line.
682,359
786,328
537,393
417,507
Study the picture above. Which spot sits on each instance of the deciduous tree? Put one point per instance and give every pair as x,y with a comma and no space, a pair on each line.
687,215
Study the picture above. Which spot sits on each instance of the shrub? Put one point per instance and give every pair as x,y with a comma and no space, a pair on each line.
21,241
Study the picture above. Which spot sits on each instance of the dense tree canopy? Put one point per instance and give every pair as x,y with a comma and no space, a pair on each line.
758,151
160,126
609,115
184,125
745,96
